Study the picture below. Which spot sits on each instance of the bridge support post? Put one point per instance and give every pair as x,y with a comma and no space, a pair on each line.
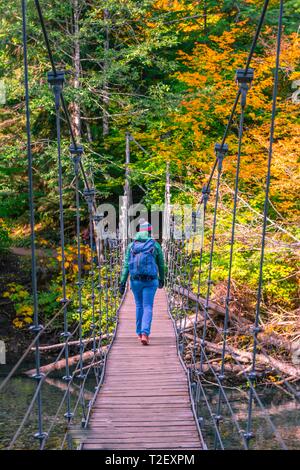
89,195
56,79
76,154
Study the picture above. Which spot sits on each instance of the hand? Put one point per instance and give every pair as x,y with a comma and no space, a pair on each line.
122,288
161,283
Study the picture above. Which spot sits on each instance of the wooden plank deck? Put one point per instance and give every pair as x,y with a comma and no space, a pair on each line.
144,402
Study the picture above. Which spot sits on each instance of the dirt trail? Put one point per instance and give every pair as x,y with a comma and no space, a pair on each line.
41,252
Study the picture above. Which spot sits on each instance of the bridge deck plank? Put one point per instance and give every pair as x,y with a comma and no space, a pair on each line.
144,402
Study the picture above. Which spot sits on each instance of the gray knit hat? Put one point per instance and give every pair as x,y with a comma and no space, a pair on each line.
145,226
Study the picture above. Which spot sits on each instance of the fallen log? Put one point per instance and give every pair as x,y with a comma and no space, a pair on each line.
244,324
265,359
51,347
274,340
230,368
98,363
190,322
212,347
211,305
61,364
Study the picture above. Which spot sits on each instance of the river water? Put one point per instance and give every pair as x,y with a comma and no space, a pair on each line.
17,396
283,410
277,410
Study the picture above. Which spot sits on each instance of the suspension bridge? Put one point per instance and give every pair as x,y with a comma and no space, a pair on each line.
152,409
149,397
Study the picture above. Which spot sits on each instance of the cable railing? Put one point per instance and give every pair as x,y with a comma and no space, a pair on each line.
185,265
102,281
180,256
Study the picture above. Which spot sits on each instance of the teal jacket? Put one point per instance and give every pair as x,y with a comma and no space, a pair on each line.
159,258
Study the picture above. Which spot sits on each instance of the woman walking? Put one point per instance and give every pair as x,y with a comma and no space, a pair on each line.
144,262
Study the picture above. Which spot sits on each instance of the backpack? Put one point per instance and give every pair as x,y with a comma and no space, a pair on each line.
142,264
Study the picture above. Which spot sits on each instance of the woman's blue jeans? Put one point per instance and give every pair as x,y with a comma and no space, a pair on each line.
144,292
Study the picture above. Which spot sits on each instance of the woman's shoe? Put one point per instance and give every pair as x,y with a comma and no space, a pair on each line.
145,339
140,336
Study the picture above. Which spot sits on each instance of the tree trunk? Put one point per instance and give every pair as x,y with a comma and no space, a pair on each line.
190,323
62,363
190,295
52,347
229,368
167,208
205,16
265,359
105,92
243,324
75,106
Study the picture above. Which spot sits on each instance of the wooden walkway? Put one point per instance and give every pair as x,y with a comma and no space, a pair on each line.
144,402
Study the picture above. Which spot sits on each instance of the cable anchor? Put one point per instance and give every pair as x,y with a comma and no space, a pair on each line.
76,153
248,436
255,330
220,151
56,81
244,79
36,328
41,436
89,195
194,221
205,194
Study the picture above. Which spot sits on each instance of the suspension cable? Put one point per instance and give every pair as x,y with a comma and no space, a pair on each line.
244,81
256,328
36,328
237,97
34,398
56,82
62,100
221,152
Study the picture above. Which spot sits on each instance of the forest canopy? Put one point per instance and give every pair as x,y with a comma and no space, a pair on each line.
165,72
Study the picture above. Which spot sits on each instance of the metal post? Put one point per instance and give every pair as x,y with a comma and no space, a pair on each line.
56,80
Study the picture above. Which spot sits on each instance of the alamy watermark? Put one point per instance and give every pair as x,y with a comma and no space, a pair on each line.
296,94
2,92
2,353
179,222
